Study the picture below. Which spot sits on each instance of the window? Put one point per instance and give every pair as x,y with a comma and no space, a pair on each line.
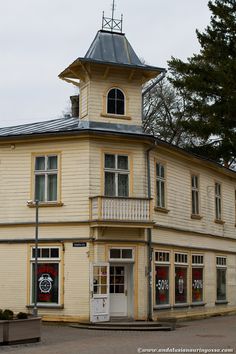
197,278
181,269
48,277
162,278
121,254
235,206
218,201
116,175
160,185
46,178
221,267
195,195
116,102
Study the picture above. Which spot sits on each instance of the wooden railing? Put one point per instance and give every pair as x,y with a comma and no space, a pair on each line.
120,209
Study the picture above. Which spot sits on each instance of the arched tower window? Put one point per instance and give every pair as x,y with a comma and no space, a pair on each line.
115,102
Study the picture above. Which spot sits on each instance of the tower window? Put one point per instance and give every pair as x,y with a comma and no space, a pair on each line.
116,102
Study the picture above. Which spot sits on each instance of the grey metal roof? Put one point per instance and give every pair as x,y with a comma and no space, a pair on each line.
67,125
114,48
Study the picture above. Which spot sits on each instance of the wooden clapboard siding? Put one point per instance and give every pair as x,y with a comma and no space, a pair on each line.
178,196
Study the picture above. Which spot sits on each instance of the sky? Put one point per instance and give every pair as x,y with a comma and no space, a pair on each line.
40,38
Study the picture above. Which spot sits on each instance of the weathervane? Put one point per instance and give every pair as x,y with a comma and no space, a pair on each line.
112,24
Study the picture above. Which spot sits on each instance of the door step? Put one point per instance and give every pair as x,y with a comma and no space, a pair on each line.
125,326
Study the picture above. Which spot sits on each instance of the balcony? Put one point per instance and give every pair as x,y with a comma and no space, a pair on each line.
120,209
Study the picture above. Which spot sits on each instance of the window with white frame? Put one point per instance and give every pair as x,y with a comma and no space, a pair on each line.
162,278
221,268
121,254
181,278
197,277
48,275
218,208
116,102
160,185
116,169
46,178
195,194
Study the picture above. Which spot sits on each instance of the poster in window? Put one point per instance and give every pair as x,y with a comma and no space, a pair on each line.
47,282
180,285
162,285
197,284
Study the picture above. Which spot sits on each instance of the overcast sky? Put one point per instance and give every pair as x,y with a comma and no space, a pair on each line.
39,38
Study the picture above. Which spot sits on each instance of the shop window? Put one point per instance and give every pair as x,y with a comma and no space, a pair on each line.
115,102
181,271
116,175
46,178
195,195
162,278
48,275
160,185
221,268
121,254
197,278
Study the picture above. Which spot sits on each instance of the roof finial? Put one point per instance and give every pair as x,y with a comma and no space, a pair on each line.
112,24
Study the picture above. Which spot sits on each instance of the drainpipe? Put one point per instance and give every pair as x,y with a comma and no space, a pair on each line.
149,231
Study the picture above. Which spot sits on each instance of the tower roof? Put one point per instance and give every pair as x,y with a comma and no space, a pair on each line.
110,48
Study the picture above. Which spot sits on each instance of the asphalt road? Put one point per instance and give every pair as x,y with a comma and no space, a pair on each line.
213,333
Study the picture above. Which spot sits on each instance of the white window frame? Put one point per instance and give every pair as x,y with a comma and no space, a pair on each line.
218,201
221,263
198,264
195,194
46,260
46,172
117,172
159,182
121,260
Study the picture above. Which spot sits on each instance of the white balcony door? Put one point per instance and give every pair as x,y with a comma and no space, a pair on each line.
99,290
118,290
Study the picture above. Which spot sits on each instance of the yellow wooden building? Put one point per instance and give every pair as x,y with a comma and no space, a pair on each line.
129,226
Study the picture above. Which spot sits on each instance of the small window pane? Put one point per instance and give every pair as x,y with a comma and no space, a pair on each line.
40,188
52,188
54,253
110,161
45,252
127,253
120,107
110,187
123,162
119,95
40,163
123,185
114,253
52,162
112,94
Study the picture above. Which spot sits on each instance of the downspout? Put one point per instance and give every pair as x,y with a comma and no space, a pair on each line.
149,193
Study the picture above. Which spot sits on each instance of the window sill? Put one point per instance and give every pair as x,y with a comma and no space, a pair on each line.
162,307
221,302
220,222
180,305
196,217
46,204
117,116
42,306
161,210
195,304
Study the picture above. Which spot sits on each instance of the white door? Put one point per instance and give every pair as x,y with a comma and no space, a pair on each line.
99,290
118,290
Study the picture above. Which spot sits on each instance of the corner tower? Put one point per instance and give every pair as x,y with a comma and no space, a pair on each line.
110,77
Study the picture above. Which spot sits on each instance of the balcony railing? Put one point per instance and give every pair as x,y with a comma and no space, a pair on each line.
120,209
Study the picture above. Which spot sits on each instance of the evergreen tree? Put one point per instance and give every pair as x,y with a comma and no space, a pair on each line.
209,82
